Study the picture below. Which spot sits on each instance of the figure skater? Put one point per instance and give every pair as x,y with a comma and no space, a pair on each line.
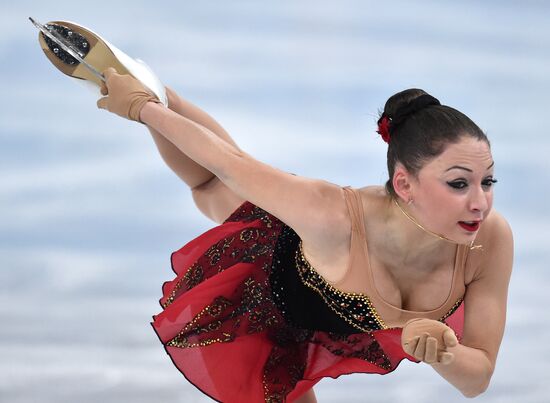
304,279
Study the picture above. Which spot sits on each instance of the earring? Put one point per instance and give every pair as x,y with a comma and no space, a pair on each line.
410,201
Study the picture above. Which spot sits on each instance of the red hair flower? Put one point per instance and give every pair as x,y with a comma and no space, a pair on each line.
384,128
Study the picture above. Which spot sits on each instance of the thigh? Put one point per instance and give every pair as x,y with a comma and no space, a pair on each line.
215,200
308,397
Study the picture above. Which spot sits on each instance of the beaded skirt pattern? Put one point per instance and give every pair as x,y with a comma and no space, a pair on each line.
229,327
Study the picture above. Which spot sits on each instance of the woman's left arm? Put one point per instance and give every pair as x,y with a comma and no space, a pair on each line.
485,314
127,97
199,143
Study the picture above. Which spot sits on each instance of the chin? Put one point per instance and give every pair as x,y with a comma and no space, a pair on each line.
466,238
461,236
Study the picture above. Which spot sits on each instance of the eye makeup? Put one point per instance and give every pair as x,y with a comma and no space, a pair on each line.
458,184
489,182
463,183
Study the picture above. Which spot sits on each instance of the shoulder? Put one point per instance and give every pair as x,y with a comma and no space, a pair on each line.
496,238
373,196
495,233
373,191
374,199
496,225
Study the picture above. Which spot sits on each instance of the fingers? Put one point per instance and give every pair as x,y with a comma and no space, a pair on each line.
449,338
421,347
103,89
446,358
431,350
431,343
424,348
102,103
410,346
108,72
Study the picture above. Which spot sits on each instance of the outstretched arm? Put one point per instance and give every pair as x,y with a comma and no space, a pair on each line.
314,208
192,173
191,139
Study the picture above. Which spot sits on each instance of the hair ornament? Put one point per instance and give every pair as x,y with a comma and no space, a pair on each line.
384,128
387,124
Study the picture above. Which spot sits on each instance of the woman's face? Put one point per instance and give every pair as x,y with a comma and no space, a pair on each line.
453,193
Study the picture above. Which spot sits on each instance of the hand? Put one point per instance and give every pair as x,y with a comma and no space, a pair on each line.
427,340
126,95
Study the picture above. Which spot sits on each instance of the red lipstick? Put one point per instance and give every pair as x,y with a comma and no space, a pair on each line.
471,226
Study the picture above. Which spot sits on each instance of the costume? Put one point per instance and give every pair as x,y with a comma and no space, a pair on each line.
247,319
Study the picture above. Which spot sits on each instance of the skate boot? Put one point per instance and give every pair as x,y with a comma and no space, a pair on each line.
82,54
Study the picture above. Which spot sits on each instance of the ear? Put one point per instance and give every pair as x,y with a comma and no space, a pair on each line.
402,183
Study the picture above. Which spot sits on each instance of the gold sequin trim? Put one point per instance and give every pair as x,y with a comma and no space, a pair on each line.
337,300
454,308
213,310
320,285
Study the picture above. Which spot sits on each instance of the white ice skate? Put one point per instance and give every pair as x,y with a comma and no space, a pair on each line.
82,54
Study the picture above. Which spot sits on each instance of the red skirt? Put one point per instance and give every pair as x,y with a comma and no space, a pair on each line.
226,335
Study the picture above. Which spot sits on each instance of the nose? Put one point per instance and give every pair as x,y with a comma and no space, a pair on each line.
478,200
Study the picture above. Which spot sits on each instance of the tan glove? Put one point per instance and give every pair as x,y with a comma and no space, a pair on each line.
127,95
427,340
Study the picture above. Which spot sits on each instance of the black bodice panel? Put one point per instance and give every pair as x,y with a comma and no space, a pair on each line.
306,305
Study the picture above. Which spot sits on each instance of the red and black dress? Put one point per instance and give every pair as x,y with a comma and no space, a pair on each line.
245,320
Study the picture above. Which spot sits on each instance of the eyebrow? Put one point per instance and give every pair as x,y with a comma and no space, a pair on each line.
466,169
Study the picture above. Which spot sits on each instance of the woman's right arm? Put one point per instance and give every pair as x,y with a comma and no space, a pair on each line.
485,311
185,168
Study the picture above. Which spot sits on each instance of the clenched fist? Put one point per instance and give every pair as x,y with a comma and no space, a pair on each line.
427,340
126,95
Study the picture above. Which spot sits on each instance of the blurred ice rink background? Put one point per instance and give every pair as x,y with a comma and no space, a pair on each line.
89,213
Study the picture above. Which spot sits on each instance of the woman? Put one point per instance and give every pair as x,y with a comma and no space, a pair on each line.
305,279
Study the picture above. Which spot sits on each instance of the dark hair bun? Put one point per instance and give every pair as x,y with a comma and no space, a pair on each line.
417,104
401,100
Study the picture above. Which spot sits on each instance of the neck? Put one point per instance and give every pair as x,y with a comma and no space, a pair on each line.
427,237
410,245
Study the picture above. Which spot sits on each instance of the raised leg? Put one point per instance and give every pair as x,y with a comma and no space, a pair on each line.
308,397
